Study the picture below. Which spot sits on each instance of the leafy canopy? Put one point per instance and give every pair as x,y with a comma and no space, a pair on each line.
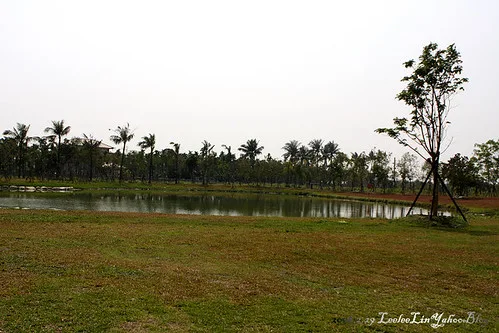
430,87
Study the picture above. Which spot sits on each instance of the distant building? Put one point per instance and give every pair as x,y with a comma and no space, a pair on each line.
102,146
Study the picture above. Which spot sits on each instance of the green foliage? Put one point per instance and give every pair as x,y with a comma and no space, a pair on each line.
407,169
19,135
430,87
358,170
315,165
207,157
291,149
123,135
487,156
58,130
438,222
251,150
379,162
434,80
149,142
461,173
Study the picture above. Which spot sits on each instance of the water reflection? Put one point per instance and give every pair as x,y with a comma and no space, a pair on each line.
235,205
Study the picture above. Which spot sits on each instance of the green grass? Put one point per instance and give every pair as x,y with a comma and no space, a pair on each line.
185,186
95,272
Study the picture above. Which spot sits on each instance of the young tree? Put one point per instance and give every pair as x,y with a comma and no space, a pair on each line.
379,169
461,173
149,142
435,79
487,155
123,135
406,169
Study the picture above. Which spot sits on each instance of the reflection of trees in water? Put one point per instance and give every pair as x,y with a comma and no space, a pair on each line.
242,205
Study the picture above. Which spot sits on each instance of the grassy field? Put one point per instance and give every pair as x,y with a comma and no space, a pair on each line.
95,272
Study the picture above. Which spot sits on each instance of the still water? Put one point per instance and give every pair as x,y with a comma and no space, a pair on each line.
235,205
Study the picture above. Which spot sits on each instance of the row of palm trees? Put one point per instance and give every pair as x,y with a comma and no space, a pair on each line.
302,163
317,163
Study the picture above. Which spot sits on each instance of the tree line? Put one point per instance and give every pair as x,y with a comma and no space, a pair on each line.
318,163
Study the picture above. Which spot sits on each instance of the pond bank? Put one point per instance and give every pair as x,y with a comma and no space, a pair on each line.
473,203
23,188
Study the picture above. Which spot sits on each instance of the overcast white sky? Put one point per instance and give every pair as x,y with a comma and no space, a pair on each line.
229,71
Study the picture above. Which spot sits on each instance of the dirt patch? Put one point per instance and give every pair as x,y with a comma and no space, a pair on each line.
488,203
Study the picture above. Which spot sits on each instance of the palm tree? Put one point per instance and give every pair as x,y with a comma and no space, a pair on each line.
230,156
176,150
316,151
90,145
230,159
58,130
316,156
291,156
292,149
359,168
251,150
149,142
191,163
329,151
206,153
19,135
304,156
206,148
123,135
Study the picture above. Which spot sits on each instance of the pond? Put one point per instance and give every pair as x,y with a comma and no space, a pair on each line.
207,204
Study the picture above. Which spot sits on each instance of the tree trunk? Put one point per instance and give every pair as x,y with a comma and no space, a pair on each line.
150,165
434,199
122,161
59,168
20,161
91,165
150,168
176,169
